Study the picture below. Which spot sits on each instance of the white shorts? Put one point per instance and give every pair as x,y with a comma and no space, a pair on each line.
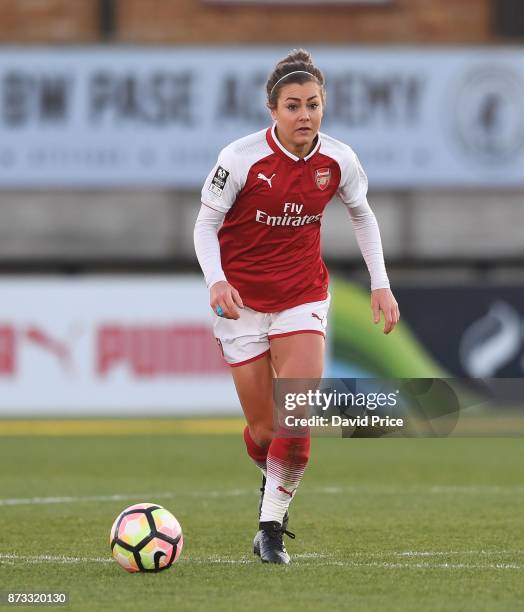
247,338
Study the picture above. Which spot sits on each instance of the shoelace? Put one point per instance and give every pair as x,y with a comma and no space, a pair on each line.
276,534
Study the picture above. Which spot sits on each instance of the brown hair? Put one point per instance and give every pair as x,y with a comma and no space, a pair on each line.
298,61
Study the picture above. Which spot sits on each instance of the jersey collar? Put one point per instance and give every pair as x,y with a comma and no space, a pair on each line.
277,147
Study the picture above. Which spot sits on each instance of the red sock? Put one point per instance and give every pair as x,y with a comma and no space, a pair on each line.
288,456
256,452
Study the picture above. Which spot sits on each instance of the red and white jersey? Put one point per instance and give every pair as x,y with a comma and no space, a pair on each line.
274,202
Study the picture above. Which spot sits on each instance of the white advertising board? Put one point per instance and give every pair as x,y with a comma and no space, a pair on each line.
114,116
112,346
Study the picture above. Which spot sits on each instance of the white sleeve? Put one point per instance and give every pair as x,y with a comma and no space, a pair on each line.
220,190
367,234
353,186
224,182
206,244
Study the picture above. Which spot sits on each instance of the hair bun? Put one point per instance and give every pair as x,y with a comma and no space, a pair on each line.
297,55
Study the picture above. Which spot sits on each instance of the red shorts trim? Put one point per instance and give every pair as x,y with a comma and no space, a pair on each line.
300,331
241,363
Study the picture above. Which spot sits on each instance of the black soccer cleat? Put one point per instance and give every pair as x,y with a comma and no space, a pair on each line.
271,548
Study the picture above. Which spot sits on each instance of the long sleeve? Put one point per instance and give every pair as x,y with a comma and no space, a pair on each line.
207,247
367,234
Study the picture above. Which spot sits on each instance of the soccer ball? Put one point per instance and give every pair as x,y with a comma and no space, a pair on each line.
146,538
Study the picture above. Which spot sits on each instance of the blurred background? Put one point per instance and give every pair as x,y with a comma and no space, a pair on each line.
112,112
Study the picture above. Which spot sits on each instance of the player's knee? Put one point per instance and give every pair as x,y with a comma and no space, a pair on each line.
262,434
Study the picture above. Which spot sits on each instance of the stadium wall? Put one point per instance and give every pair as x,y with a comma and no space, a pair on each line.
196,22
57,229
416,21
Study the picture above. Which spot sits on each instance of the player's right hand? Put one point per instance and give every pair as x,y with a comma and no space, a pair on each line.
227,297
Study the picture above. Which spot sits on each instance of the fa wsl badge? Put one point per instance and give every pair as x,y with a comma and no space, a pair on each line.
218,182
322,178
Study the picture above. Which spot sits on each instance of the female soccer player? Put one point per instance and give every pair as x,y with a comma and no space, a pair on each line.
268,284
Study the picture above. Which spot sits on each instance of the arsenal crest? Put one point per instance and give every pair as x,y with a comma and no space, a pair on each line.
322,178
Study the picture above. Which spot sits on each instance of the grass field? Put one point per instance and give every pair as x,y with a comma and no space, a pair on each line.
398,524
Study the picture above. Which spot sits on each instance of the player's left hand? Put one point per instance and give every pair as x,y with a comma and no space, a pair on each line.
383,299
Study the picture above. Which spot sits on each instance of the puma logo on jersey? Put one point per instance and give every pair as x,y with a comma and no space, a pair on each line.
264,178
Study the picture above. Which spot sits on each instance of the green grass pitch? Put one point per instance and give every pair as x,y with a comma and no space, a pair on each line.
398,524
